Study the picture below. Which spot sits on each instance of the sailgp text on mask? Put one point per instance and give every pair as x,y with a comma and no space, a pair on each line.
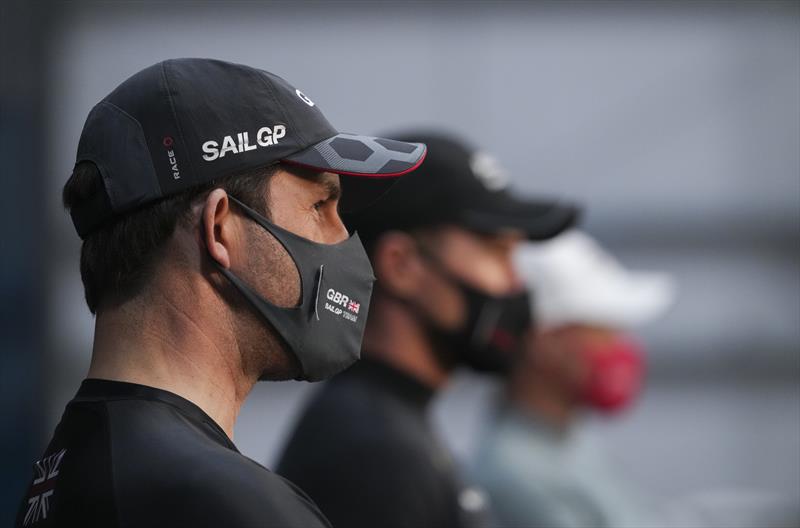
265,137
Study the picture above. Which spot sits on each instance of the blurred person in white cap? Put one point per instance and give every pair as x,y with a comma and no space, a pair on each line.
537,467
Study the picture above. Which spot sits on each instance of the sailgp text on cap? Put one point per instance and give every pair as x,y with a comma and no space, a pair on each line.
265,137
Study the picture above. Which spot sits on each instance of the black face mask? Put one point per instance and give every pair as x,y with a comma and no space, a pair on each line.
492,337
325,330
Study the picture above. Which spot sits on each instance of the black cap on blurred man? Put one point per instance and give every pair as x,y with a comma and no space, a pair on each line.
440,242
206,194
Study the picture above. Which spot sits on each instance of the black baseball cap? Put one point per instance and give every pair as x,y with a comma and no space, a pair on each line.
185,122
460,185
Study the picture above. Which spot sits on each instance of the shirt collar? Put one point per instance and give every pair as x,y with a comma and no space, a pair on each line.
93,389
393,380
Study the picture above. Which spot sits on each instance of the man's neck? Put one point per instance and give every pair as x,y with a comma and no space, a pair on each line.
161,345
535,394
395,337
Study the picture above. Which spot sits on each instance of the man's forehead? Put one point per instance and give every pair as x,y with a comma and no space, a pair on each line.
328,180
499,237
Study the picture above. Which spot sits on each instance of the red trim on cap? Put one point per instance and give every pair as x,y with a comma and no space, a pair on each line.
360,174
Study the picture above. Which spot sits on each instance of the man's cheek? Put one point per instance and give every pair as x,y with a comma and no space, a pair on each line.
446,305
286,281
274,273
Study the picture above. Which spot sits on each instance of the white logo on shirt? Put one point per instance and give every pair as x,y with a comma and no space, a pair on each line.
44,483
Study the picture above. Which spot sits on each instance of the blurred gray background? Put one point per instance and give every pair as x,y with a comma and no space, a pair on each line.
677,124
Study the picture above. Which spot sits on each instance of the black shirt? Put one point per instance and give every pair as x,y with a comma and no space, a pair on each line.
365,452
127,455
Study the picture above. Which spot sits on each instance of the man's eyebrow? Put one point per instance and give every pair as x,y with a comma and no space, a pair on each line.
333,188
328,182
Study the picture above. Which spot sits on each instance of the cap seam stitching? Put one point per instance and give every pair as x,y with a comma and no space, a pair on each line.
111,473
109,184
178,126
284,113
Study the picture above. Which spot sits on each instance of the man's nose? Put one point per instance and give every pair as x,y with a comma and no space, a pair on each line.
338,232
515,282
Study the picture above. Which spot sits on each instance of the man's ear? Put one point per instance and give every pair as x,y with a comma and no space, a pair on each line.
218,227
397,264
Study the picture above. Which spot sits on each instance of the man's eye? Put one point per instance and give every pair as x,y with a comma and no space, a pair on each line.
319,205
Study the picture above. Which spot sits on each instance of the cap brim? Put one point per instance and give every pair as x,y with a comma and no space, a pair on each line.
644,298
375,162
538,219
616,302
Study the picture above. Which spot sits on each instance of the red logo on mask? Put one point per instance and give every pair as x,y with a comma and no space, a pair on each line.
615,375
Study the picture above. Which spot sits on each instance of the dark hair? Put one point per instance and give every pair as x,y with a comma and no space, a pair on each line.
118,259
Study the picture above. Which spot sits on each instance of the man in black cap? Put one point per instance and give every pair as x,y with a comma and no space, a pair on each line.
213,256
440,242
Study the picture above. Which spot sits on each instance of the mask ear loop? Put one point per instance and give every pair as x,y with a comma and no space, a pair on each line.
434,260
487,318
259,219
440,268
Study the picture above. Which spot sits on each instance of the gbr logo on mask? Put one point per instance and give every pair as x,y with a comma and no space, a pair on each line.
349,307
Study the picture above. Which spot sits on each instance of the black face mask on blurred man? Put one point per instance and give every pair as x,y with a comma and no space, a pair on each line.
492,331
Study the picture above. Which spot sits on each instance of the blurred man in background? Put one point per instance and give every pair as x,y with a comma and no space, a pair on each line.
441,244
537,468
207,254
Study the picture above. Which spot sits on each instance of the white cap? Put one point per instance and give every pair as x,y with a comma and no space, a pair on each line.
574,281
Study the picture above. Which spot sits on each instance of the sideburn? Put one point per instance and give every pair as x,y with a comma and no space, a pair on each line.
271,271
